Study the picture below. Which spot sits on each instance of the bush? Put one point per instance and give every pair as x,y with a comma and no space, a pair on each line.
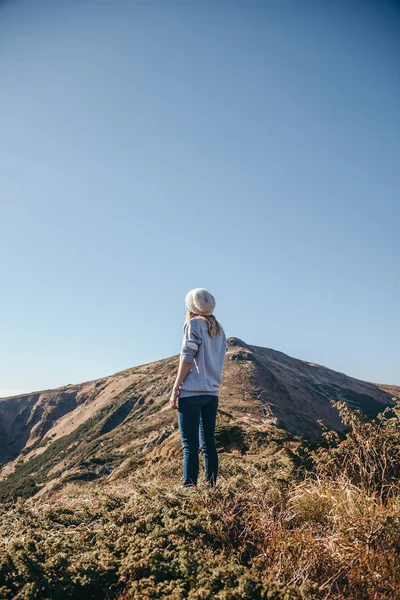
369,456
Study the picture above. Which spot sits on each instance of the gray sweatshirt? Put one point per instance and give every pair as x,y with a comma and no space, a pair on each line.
207,355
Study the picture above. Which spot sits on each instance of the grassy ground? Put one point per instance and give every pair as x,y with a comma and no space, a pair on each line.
309,524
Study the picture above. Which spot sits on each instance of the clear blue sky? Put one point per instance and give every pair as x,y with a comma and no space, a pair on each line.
150,147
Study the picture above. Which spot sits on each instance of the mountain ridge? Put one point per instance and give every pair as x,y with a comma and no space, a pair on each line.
90,429
238,342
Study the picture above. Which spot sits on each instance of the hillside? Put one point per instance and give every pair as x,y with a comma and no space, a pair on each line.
105,427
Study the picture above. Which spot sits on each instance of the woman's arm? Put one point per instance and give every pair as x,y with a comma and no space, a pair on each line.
190,346
184,368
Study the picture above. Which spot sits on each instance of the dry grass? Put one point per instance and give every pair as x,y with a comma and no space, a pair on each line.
330,529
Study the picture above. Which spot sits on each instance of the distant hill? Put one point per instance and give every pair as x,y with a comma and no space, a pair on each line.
98,428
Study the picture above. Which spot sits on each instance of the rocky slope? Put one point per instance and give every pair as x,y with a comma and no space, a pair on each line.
99,428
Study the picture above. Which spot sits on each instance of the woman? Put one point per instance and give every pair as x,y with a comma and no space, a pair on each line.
197,385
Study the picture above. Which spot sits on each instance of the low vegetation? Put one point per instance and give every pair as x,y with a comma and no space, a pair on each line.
306,523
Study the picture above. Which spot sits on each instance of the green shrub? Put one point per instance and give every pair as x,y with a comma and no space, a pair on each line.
369,455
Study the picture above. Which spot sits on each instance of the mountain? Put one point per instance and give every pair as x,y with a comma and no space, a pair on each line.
105,427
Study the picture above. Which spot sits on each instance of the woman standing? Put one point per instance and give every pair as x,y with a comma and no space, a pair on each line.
197,385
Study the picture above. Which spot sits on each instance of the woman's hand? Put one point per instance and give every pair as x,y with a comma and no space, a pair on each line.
174,398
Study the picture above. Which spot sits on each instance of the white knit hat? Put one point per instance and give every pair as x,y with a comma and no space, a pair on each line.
200,301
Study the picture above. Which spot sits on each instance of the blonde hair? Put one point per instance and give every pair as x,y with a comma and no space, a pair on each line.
213,326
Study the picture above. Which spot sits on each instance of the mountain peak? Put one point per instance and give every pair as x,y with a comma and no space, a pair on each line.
234,341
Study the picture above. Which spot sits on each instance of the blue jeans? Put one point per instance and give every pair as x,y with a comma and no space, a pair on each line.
197,417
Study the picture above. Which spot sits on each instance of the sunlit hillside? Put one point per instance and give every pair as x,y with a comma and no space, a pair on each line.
89,431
